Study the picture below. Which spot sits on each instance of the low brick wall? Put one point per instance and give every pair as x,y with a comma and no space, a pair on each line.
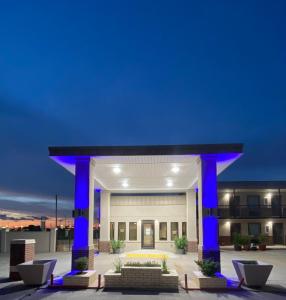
104,246
192,246
225,240
148,278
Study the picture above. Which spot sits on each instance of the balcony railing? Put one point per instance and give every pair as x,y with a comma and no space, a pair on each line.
251,212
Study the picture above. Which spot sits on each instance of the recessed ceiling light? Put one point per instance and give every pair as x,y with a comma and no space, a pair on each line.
169,183
116,170
175,169
125,184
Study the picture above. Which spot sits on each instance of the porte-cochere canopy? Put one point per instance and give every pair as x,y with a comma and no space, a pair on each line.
146,169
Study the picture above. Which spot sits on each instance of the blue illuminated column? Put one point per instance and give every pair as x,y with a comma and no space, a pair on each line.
83,211
207,206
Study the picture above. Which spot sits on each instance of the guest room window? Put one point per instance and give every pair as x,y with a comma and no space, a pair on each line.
122,231
163,231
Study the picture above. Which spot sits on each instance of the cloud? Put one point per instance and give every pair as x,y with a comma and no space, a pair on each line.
31,207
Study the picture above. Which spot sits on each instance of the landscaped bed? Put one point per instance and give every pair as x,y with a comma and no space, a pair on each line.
137,275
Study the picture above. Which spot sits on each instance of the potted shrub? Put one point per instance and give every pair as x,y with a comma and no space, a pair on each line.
262,239
245,241
208,277
81,264
208,267
116,246
181,244
237,242
81,276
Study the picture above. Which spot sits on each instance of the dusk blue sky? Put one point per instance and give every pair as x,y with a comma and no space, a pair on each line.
136,73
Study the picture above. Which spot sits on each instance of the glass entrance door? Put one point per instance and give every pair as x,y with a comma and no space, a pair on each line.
147,235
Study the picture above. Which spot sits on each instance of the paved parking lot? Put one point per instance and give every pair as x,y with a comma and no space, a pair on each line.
276,288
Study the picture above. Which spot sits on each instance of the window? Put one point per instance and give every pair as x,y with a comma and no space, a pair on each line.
122,231
111,231
163,231
253,203
253,200
234,206
254,229
132,231
184,229
174,230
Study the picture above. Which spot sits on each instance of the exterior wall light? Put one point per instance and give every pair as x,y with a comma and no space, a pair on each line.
175,169
125,184
116,170
169,183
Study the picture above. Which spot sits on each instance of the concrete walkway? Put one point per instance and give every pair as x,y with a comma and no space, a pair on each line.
276,288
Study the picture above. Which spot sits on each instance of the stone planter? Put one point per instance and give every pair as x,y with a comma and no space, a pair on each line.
262,247
36,272
205,282
143,278
117,251
85,279
180,251
255,273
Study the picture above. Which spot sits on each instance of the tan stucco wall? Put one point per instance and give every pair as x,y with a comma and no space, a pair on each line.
165,208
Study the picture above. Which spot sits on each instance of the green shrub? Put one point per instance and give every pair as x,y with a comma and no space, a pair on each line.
81,264
142,264
116,244
245,240
237,240
165,269
208,267
255,240
118,265
181,243
262,239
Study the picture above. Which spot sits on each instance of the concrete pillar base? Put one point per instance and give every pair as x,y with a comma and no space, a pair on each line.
210,254
104,246
89,253
192,246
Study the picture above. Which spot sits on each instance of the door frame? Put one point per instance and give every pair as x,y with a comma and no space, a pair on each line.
142,233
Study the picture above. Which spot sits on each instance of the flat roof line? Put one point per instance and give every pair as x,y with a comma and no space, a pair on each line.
245,184
145,150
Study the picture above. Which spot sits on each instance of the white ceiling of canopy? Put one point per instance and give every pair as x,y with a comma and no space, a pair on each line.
148,173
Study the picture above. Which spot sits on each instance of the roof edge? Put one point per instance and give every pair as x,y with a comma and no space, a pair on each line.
252,184
145,150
